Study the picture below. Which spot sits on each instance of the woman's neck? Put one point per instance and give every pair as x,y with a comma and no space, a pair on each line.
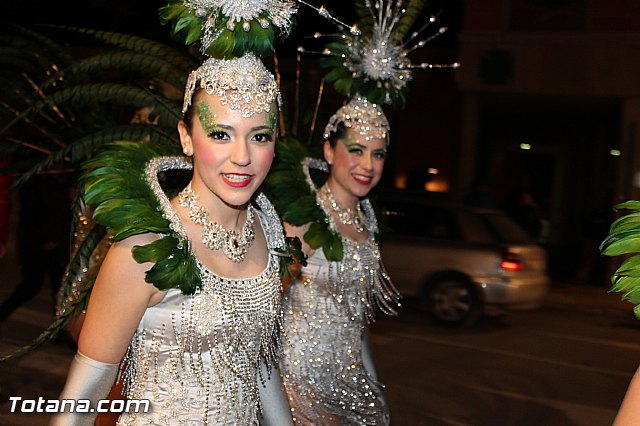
344,198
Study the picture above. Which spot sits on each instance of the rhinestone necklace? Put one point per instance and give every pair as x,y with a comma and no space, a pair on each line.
346,216
214,236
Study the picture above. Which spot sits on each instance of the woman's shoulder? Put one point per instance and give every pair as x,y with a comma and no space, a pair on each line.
123,249
139,240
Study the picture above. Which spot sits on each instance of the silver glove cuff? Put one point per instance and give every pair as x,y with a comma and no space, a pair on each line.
87,379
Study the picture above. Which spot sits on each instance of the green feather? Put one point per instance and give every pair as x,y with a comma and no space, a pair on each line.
295,202
624,238
412,8
115,188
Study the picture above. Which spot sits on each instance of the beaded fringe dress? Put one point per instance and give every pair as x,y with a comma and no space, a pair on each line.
325,316
196,357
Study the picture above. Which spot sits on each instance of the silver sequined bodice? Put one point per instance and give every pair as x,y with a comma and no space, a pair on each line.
326,312
322,363
196,357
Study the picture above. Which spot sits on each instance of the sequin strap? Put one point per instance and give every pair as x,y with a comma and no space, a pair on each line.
162,164
275,240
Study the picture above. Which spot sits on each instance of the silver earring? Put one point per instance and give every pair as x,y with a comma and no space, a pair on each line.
185,151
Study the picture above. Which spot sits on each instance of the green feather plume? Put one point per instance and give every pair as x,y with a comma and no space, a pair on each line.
188,27
413,8
295,202
115,188
377,90
624,239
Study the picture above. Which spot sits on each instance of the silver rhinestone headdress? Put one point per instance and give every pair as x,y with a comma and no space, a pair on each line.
243,83
375,62
278,12
365,118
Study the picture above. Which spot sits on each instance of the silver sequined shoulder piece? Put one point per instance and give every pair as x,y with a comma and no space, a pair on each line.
162,164
273,225
370,220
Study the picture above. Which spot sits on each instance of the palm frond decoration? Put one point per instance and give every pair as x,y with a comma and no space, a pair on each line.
64,105
624,239
182,62
92,94
82,149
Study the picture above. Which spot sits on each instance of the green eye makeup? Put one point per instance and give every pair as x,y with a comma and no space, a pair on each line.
273,119
207,118
349,142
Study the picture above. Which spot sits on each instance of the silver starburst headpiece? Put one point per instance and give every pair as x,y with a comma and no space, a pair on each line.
375,62
364,117
243,83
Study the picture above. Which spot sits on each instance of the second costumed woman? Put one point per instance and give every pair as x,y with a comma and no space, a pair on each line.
328,371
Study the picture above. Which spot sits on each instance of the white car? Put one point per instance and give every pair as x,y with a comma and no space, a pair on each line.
460,261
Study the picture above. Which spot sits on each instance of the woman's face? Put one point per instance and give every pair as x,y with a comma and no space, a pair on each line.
231,153
356,164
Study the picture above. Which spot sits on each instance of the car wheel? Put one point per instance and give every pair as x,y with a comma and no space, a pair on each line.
453,301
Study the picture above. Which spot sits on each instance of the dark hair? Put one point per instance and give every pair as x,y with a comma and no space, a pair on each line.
339,133
190,112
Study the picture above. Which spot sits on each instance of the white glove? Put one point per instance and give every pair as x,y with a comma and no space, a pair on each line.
87,379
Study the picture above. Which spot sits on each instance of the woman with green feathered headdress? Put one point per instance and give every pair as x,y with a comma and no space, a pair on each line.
185,310
328,371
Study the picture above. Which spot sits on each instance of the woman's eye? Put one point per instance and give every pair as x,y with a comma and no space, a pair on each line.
356,151
219,136
263,137
380,155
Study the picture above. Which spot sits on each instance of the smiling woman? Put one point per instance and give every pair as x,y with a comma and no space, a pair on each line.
187,302
226,272
328,371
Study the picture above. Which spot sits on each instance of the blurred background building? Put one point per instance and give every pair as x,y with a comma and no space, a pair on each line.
546,103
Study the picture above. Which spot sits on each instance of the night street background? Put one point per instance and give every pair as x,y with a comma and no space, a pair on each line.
567,364
548,97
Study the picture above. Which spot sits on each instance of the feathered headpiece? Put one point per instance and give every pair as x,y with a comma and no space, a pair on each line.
255,86
234,34
375,63
230,28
